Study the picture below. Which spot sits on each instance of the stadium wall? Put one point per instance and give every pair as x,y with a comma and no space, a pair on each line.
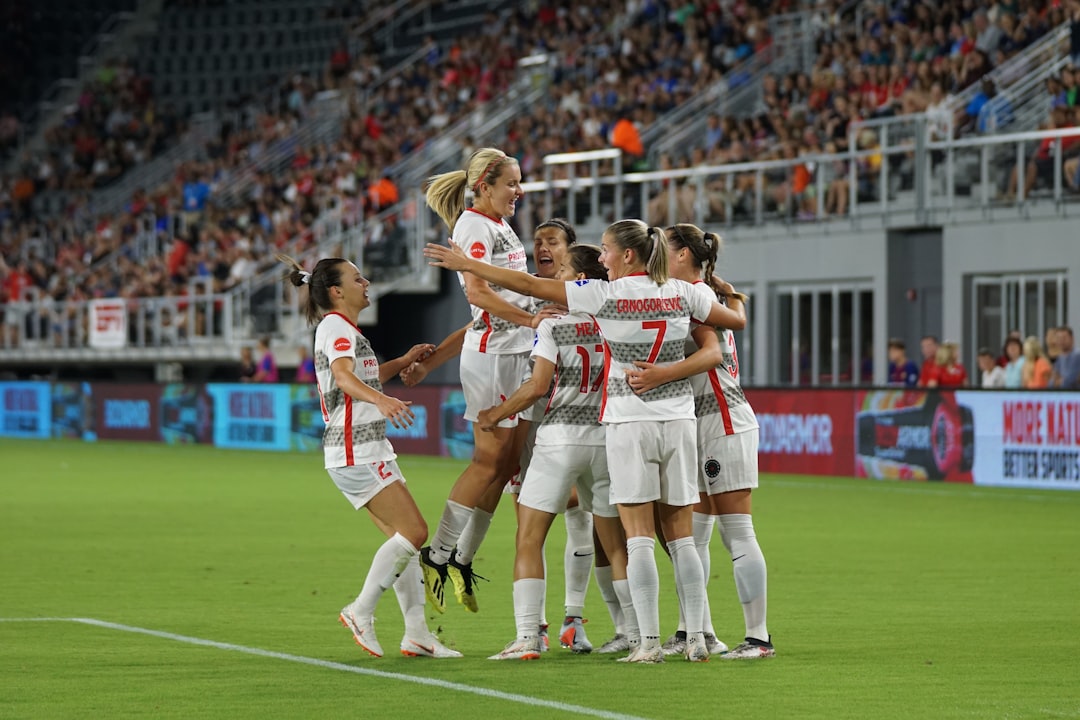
1010,439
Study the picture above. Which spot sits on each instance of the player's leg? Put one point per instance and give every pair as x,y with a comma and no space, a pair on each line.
381,489
577,562
678,495
735,521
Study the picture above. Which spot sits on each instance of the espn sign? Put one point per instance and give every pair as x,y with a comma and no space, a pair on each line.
108,323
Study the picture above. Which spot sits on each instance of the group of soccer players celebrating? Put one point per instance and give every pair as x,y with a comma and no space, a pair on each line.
599,387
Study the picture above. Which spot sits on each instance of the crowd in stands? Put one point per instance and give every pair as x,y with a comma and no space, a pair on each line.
1023,363
614,71
908,57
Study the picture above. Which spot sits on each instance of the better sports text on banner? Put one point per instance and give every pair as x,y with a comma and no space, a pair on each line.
1022,439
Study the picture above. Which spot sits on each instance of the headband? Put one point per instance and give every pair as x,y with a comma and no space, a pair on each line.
484,174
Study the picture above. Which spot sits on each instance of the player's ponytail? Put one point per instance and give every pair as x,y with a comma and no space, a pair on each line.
327,274
657,264
704,247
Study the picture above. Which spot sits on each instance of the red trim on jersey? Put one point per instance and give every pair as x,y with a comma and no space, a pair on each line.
342,316
637,274
487,333
348,430
718,391
497,221
607,373
554,389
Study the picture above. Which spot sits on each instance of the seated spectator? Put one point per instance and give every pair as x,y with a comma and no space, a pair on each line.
1014,368
1037,370
305,370
266,371
901,370
993,376
247,364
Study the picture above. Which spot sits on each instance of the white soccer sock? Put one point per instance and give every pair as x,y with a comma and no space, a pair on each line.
703,527
577,559
543,598
454,518
474,533
751,576
390,559
629,615
689,582
527,595
607,592
409,589
644,582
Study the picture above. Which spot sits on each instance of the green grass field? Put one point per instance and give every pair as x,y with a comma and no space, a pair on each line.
887,600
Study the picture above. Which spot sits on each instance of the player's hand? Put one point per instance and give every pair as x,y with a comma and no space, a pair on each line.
645,377
548,311
419,353
487,420
448,256
724,286
396,411
413,374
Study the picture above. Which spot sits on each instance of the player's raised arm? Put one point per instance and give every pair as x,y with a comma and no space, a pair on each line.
452,257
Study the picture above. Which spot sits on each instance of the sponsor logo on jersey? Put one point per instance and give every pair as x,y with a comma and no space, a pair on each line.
712,468
477,250
579,283
342,344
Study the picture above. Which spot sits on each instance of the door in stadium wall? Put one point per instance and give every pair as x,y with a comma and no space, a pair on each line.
1030,303
823,333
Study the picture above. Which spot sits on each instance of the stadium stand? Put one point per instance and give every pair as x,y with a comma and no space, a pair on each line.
350,126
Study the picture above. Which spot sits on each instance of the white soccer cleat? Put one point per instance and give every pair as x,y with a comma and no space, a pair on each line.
619,643
646,655
751,649
363,631
676,644
696,650
520,649
572,635
714,645
426,646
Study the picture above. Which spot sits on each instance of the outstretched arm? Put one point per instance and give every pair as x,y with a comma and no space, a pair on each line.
453,258
448,348
648,376
390,368
530,391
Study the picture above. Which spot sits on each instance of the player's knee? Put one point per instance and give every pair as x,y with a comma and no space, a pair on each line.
416,532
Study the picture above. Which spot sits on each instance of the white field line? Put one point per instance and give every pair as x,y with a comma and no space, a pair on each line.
382,674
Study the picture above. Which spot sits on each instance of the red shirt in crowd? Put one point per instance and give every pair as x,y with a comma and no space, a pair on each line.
947,376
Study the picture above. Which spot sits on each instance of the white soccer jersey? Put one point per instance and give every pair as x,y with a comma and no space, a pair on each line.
641,321
493,241
719,403
355,431
574,345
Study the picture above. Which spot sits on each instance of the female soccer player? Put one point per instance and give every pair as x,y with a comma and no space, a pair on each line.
359,458
494,355
727,452
568,454
644,316
551,240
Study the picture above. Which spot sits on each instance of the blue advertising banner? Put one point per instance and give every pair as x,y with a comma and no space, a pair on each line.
26,409
251,417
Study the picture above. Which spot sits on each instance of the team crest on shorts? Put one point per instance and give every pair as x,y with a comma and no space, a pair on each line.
712,467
